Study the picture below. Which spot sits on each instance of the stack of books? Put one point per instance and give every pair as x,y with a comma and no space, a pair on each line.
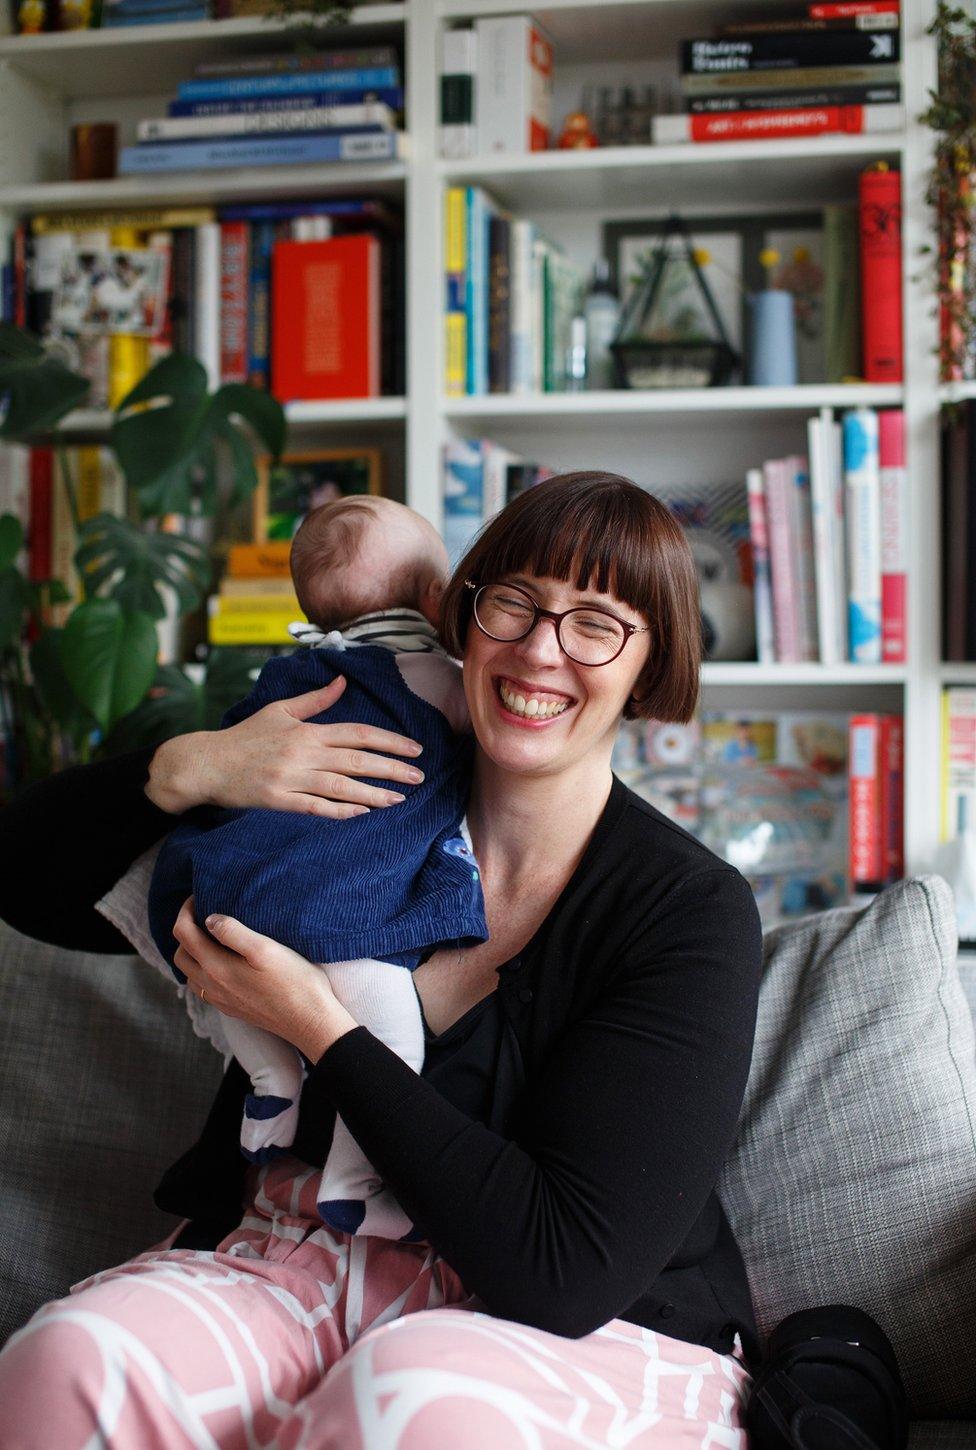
479,478
240,288
256,602
829,544
273,110
833,69
510,298
496,88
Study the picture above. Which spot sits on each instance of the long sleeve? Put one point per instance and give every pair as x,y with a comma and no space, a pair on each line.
621,1136
66,840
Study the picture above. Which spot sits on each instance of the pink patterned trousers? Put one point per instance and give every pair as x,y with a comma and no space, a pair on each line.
295,1337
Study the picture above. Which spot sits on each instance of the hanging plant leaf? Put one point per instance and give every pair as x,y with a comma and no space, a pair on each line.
124,562
54,689
11,539
109,657
177,705
36,390
13,602
168,428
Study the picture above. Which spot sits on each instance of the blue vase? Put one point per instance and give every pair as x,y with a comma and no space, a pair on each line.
772,339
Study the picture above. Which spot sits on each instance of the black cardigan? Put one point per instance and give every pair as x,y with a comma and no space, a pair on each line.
632,1013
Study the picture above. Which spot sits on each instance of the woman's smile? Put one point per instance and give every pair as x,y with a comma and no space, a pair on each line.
529,705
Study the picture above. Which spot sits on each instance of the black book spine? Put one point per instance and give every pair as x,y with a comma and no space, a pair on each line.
181,295
796,50
968,592
793,100
499,304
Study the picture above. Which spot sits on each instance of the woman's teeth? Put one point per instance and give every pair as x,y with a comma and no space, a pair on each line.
532,708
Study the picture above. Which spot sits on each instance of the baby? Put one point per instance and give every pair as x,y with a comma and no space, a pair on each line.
369,898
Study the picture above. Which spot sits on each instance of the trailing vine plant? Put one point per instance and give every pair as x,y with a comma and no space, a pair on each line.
950,191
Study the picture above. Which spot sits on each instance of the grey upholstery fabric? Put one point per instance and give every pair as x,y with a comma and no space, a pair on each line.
853,1177
102,1084
941,1435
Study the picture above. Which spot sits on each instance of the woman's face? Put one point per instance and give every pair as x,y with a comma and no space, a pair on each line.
589,700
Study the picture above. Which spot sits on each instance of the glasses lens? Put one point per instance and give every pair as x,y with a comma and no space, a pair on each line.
591,638
502,612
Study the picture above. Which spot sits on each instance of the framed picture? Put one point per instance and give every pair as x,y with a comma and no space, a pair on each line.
300,482
733,245
114,290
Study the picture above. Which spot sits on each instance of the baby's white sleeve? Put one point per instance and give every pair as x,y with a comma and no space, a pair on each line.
437,679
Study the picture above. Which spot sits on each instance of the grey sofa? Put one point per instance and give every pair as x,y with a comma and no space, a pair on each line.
852,1179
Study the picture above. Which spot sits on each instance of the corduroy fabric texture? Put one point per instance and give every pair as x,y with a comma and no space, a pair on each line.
853,1176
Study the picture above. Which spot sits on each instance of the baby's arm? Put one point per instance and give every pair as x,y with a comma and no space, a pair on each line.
437,680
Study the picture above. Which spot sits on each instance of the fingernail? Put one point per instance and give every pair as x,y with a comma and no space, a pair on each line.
360,811
394,795
416,750
213,922
415,775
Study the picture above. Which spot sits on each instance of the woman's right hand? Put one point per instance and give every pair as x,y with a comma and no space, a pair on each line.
276,760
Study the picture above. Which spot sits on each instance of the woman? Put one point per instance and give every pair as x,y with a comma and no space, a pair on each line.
584,1073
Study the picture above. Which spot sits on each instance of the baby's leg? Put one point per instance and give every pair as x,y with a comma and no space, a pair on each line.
380,996
276,1073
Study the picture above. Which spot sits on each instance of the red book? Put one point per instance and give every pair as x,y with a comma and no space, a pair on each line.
775,124
866,849
894,544
892,753
847,9
39,536
19,251
234,275
881,300
325,318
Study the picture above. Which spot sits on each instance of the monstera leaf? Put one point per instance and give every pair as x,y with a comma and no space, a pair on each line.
177,704
168,430
36,390
58,700
122,562
109,658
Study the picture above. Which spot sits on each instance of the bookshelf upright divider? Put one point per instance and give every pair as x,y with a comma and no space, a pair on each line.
49,81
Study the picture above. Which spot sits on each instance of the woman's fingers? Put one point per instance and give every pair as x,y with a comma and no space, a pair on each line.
313,702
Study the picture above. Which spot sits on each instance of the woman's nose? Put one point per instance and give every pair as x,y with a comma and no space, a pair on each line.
541,644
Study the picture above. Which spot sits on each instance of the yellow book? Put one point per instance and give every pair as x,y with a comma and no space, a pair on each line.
455,270
248,628
128,357
260,561
272,588
146,219
283,602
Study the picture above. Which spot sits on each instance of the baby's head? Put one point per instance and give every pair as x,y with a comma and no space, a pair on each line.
363,553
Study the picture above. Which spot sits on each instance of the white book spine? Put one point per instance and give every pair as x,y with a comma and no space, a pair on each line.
763,588
459,84
246,123
513,92
862,477
802,531
822,509
779,487
834,454
522,238
207,300
539,250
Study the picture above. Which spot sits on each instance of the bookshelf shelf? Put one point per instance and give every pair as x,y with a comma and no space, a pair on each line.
379,178
337,413
113,62
958,674
956,392
806,171
721,673
611,405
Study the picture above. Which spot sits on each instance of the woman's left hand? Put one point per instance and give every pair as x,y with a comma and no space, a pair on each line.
247,975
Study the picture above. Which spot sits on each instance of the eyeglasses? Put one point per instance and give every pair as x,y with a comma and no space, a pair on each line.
586,635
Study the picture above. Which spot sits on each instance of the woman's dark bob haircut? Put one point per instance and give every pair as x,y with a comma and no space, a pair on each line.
599,531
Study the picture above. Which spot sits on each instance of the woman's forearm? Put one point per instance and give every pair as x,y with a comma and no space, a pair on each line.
178,772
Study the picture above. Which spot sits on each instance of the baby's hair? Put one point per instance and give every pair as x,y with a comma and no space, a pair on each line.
332,579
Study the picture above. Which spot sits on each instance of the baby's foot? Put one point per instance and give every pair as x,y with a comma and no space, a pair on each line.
268,1126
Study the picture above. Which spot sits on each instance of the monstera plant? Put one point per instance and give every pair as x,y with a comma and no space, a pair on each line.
92,685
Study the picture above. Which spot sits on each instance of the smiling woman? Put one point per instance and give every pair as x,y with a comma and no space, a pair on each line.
584,1072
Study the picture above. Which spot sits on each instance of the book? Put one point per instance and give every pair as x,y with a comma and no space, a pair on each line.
282,601
366,116
286,84
235,271
778,486
325,318
841,293
798,50
845,9
480,207
870,20
746,125
259,561
892,752
346,209
789,100
15,490
248,626
894,528
267,588
513,89
206,300
958,512
879,213
867,850
762,578
522,238
313,96
499,303
459,69
801,530
146,219
277,62
455,291
463,486
958,796
281,150
862,480
41,505
823,77
828,540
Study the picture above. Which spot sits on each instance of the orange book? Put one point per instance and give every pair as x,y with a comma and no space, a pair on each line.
259,561
325,319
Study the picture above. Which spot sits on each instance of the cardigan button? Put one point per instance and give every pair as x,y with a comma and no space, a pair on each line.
525,994
666,1310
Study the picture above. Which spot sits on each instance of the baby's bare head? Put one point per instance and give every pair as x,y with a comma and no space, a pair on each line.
363,553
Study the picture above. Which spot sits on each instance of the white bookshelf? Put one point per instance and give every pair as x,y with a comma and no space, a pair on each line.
48,82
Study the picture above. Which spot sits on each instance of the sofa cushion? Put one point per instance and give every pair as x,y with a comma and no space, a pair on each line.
102,1084
853,1176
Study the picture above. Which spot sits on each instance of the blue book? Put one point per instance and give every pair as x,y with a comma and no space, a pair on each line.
464,505
274,211
259,311
476,291
391,95
343,81
257,151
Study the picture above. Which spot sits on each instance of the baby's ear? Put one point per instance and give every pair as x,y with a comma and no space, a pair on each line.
433,595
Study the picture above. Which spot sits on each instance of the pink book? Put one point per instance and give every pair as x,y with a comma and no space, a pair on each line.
894,507
778,481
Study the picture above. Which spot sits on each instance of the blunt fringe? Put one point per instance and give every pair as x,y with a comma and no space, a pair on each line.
599,531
